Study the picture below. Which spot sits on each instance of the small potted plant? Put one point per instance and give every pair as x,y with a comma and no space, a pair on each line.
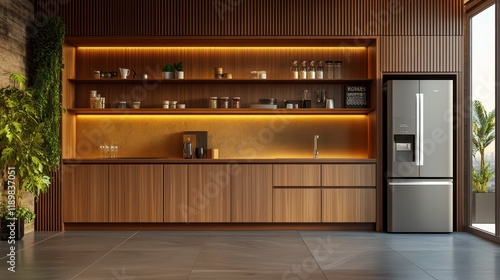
179,70
168,71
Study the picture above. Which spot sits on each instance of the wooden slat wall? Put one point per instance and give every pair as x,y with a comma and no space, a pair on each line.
48,207
437,25
257,17
421,53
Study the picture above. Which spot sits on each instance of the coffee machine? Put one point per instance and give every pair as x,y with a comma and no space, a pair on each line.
193,140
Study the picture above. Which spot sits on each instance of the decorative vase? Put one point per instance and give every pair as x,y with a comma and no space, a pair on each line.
168,75
179,75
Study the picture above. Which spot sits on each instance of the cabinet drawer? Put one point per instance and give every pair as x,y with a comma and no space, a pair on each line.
348,175
297,205
296,175
348,205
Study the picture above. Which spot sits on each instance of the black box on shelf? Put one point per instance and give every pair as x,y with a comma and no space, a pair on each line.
356,96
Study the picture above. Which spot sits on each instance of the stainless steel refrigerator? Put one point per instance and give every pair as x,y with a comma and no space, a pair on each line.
420,155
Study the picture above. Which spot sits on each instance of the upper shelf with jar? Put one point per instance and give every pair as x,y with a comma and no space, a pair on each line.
215,81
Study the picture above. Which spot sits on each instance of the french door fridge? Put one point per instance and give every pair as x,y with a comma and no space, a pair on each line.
420,155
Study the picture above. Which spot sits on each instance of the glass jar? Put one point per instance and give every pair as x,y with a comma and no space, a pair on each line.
311,71
337,70
236,102
212,103
319,70
303,70
93,99
224,102
329,70
294,70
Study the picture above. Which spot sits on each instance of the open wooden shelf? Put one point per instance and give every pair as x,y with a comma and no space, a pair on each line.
206,111
215,81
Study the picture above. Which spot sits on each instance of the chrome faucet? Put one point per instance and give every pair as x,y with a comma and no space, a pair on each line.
316,137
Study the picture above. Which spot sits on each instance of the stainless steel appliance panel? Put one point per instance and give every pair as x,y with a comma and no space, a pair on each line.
418,205
437,129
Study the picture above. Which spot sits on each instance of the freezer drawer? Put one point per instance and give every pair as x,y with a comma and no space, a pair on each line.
420,205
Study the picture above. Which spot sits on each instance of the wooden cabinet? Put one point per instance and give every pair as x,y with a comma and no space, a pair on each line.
209,193
296,205
85,193
251,193
175,193
348,175
136,193
348,205
296,175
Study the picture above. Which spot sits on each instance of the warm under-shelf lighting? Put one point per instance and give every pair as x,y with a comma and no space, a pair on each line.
318,118
204,48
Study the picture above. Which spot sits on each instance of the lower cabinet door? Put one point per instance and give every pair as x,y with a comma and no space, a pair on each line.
296,205
348,205
175,193
251,193
209,193
136,193
85,193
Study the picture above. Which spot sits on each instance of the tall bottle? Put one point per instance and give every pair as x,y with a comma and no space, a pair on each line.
294,70
319,70
303,70
311,71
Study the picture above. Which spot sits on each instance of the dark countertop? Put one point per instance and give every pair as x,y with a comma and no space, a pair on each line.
218,161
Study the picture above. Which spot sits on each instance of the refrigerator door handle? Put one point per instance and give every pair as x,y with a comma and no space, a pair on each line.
425,183
421,130
417,132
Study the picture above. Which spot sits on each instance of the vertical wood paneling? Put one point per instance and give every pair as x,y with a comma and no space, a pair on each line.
421,53
257,18
48,207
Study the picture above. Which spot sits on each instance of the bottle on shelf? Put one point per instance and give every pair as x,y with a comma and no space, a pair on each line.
303,70
294,70
236,102
319,70
311,71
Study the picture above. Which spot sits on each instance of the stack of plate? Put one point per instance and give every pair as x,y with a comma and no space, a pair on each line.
263,106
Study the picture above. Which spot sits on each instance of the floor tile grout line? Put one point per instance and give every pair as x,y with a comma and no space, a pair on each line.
199,254
121,243
397,252
32,245
310,253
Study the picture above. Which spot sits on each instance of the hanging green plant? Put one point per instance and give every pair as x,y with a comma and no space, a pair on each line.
47,67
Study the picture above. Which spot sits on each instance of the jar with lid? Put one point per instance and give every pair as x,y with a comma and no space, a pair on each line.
294,70
93,99
329,69
212,103
337,70
303,70
311,70
224,102
319,70
236,102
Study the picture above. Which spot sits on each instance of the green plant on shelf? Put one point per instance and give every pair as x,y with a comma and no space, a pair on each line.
168,68
179,66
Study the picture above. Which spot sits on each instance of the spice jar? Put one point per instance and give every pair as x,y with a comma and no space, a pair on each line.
212,103
224,102
236,102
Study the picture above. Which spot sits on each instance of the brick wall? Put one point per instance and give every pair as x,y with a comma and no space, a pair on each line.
16,17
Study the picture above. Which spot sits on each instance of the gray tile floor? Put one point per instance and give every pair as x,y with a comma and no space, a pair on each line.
250,255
